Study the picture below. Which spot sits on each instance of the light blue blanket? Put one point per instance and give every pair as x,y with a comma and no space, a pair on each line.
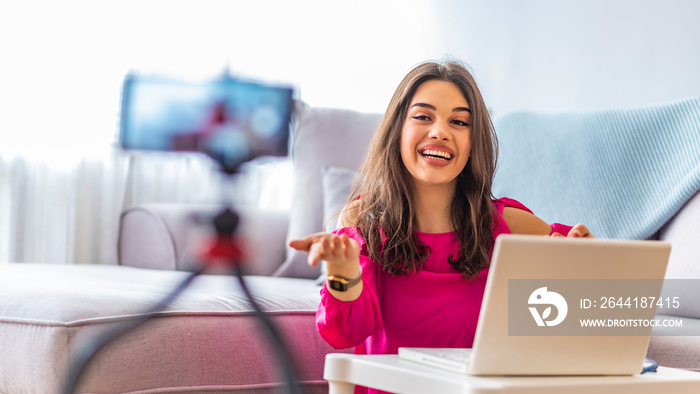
623,172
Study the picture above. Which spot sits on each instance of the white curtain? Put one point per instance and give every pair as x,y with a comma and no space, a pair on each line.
69,212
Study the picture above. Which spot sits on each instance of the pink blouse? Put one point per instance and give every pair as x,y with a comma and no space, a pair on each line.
434,307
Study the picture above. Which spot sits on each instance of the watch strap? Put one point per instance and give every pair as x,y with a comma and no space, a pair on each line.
341,283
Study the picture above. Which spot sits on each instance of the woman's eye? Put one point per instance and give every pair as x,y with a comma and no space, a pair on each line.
460,123
421,117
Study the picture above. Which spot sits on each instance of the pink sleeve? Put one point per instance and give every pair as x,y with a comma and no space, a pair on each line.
562,229
509,202
345,324
503,202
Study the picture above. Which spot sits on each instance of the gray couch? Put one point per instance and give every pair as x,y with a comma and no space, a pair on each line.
208,340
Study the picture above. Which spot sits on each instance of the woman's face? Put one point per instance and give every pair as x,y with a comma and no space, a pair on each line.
436,134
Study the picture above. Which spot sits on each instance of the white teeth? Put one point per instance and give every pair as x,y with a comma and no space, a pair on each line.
437,154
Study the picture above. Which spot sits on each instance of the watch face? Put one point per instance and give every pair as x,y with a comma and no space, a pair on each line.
336,285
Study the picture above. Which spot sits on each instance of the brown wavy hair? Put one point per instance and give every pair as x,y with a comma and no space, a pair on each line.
382,193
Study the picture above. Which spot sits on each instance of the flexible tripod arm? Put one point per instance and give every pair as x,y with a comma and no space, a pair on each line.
226,249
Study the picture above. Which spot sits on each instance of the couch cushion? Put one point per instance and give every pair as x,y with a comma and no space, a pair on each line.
321,137
683,272
337,186
682,233
676,347
676,351
207,339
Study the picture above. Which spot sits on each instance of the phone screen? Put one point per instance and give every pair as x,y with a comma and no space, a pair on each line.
231,120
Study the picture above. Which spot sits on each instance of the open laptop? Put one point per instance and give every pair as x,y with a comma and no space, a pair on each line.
535,343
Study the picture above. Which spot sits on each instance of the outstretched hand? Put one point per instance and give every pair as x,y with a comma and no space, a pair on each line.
578,231
339,250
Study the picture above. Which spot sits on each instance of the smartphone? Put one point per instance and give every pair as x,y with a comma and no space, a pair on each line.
231,120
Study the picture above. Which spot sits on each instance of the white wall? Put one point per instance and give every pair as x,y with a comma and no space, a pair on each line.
62,67
534,54
558,55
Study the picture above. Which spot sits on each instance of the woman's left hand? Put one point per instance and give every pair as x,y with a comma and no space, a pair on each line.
578,231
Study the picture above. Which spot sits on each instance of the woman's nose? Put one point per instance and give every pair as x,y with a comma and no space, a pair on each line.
438,132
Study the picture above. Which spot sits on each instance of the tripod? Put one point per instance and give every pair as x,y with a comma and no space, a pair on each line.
224,248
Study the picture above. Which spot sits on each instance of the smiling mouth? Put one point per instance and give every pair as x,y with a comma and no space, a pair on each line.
436,154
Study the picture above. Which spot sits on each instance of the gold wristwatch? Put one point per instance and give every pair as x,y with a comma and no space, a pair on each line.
339,283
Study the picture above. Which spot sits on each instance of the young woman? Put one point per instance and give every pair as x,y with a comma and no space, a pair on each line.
408,264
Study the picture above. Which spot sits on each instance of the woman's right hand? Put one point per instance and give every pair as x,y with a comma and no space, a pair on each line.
342,256
339,251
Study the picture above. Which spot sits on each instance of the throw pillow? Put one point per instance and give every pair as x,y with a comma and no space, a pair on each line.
337,186
320,137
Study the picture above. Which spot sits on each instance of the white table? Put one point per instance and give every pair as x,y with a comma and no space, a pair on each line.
389,373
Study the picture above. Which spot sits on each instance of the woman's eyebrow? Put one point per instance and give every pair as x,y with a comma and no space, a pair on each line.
424,105
430,106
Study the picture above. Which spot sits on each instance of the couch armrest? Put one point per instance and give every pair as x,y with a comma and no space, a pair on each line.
169,236
683,272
